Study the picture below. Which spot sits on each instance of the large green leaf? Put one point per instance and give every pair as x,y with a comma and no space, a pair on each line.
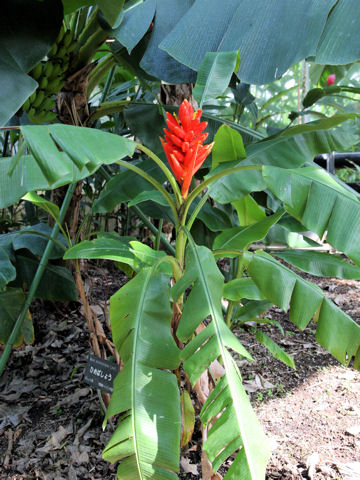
147,438
106,248
111,10
84,151
11,303
240,237
7,270
339,43
315,198
336,331
253,29
214,75
321,264
28,29
155,61
135,24
121,250
237,425
291,149
35,238
56,284
301,143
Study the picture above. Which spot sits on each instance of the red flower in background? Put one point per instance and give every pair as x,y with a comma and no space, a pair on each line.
331,79
183,144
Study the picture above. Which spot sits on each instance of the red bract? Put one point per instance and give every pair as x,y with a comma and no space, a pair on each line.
183,144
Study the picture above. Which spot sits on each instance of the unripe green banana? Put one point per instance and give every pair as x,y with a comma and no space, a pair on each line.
57,70
42,117
67,39
26,105
53,51
37,71
43,83
31,112
55,85
48,69
32,97
47,104
39,98
60,35
61,52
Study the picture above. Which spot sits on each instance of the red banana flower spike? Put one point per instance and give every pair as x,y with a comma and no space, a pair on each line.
183,144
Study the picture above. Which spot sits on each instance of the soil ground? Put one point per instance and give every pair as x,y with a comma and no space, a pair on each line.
51,421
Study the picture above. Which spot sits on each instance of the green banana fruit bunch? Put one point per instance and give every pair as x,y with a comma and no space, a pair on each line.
50,75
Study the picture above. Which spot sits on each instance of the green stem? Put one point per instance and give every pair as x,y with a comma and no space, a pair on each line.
166,171
108,63
196,211
168,247
223,253
158,235
156,184
38,275
107,108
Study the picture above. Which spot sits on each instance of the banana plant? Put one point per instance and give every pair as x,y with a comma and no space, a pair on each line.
168,322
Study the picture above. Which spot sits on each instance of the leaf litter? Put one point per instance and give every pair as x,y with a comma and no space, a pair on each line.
51,422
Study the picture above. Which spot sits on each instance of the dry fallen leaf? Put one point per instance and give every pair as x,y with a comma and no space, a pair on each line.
188,467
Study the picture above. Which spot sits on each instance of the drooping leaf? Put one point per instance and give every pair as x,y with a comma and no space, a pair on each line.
24,23
320,203
84,151
240,237
252,28
35,238
106,248
237,417
214,75
156,61
188,418
147,438
135,24
41,202
251,310
56,284
320,263
228,146
336,331
11,302
339,43
293,148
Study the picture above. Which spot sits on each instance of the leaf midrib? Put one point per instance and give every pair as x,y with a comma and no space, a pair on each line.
222,348
133,369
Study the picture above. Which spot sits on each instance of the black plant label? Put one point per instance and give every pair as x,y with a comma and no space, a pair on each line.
100,373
